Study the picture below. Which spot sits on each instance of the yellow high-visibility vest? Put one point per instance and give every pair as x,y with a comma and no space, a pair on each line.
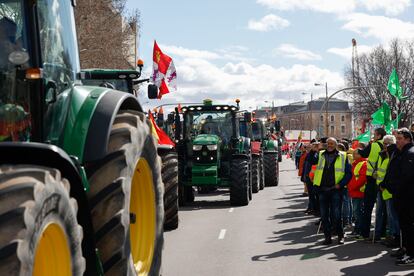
373,157
339,168
381,172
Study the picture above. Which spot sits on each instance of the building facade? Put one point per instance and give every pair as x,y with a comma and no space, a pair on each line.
309,116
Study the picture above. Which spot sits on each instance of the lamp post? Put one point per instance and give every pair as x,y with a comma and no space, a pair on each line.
310,107
325,104
326,108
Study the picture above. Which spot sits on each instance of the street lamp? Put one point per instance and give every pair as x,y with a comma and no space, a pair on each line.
310,106
326,107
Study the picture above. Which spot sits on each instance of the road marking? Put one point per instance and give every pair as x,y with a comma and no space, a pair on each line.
222,234
231,210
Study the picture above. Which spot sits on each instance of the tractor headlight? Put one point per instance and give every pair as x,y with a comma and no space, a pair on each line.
212,147
197,147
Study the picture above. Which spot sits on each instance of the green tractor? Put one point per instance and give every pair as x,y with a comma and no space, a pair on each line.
80,179
265,154
212,153
126,81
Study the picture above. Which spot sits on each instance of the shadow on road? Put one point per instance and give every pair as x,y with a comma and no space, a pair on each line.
378,263
219,199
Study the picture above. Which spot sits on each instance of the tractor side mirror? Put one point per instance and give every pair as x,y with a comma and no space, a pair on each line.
170,118
277,126
152,91
248,117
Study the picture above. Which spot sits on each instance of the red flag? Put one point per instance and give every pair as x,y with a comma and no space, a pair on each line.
164,74
159,134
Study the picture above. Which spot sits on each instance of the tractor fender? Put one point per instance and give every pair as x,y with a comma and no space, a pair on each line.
101,122
14,153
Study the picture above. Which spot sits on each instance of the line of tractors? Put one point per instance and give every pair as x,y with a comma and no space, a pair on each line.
85,189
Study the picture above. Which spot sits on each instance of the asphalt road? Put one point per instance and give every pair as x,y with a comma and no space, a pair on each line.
270,236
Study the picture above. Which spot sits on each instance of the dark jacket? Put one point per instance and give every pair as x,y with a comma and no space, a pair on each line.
404,188
307,167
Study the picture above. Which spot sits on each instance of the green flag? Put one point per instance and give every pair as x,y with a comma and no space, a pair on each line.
393,124
394,85
364,137
382,116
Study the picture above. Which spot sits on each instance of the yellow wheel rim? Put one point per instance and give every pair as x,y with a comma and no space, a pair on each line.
142,209
52,255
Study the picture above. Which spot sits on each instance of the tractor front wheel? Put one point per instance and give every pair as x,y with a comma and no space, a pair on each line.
126,197
239,182
255,174
39,232
170,178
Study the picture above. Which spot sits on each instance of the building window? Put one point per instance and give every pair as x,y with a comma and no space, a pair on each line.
332,118
332,129
342,118
343,129
321,118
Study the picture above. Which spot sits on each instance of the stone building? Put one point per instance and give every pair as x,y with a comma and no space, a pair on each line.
308,116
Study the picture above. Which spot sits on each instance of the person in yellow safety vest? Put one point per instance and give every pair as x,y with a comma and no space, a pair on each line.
370,194
385,197
332,173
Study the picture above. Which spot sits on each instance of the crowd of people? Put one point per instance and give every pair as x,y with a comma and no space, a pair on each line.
344,181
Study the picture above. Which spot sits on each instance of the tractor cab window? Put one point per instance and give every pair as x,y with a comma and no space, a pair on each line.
217,123
257,131
58,44
117,84
14,99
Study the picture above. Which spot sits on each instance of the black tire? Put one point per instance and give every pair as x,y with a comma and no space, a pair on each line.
270,167
239,182
33,198
169,173
110,194
262,174
255,174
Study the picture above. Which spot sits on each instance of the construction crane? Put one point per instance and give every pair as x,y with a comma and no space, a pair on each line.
355,63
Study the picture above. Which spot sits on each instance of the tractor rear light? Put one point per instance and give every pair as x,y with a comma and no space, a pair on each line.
34,73
212,147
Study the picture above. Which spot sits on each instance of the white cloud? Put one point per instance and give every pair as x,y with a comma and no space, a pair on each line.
201,78
327,6
291,51
268,23
188,53
390,7
347,52
380,27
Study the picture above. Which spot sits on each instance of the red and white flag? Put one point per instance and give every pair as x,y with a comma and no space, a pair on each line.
164,75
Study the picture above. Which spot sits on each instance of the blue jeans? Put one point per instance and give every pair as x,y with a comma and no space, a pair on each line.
331,212
358,209
393,222
346,208
380,216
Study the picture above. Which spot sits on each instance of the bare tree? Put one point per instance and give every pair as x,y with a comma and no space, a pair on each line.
107,34
374,69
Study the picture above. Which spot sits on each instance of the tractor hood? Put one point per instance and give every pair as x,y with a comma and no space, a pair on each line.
206,139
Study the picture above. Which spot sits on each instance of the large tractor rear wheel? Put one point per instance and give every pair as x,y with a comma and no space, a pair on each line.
169,173
239,182
271,169
39,232
126,196
255,174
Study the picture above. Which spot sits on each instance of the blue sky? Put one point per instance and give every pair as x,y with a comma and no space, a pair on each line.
260,50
